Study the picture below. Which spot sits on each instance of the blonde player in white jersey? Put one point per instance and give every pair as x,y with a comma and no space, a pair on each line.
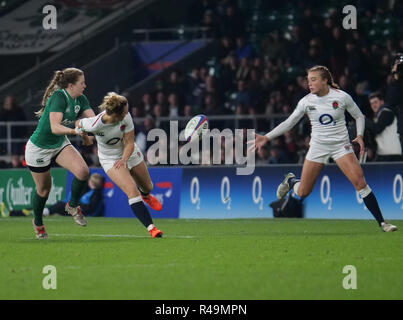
325,107
120,158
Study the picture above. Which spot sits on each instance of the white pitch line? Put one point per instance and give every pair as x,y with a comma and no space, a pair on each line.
112,235
13,219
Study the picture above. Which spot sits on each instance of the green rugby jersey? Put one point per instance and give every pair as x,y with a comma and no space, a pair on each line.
59,101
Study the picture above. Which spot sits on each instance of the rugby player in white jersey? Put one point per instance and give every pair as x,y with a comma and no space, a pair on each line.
325,107
120,158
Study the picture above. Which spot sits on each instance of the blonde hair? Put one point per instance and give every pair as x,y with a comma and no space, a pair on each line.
60,80
98,180
325,74
113,104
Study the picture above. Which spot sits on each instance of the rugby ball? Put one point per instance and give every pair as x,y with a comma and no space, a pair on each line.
195,127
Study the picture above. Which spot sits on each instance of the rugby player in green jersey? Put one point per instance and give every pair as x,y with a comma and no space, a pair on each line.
63,103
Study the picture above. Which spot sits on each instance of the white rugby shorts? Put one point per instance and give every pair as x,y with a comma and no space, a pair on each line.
40,158
134,160
322,152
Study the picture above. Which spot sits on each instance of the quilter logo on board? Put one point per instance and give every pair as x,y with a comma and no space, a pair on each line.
55,194
18,195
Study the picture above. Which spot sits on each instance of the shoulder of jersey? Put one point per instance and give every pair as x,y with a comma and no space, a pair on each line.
58,93
96,121
339,91
304,98
128,116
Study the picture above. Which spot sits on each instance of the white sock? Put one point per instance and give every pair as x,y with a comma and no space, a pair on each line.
150,227
295,188
134,200
364,192
45,212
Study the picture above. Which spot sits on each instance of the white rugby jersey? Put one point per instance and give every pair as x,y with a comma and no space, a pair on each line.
326,115
109,136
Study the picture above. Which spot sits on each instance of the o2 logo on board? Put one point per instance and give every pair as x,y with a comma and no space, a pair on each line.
194,192
257,192
325,192
226,192
398,189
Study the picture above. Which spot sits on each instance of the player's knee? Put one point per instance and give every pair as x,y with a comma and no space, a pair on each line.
359,182
43,191
83,174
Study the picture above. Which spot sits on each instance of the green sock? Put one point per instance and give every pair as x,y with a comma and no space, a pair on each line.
38,203
77,189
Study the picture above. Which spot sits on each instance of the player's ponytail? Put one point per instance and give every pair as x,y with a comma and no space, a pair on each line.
325,74
113,104
60,80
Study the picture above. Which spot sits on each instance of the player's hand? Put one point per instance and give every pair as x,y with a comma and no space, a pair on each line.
79,132
120,163
87,140
258,143
360,141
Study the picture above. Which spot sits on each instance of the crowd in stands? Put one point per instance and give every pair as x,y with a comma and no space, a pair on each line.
259,72
267,77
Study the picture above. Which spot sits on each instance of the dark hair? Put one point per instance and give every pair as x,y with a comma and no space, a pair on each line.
376,94
325,74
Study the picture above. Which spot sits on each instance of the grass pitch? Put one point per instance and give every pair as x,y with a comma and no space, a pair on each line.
201,259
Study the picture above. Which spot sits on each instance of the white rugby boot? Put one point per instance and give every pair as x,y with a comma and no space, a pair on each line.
284,187
40,232
77,215
387,227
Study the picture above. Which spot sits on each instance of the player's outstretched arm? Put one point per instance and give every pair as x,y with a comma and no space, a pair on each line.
282,128
257,143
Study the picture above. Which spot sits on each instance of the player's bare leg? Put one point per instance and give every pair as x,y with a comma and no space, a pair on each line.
142,177
310,172
351,168
70,159
43,183
123,179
